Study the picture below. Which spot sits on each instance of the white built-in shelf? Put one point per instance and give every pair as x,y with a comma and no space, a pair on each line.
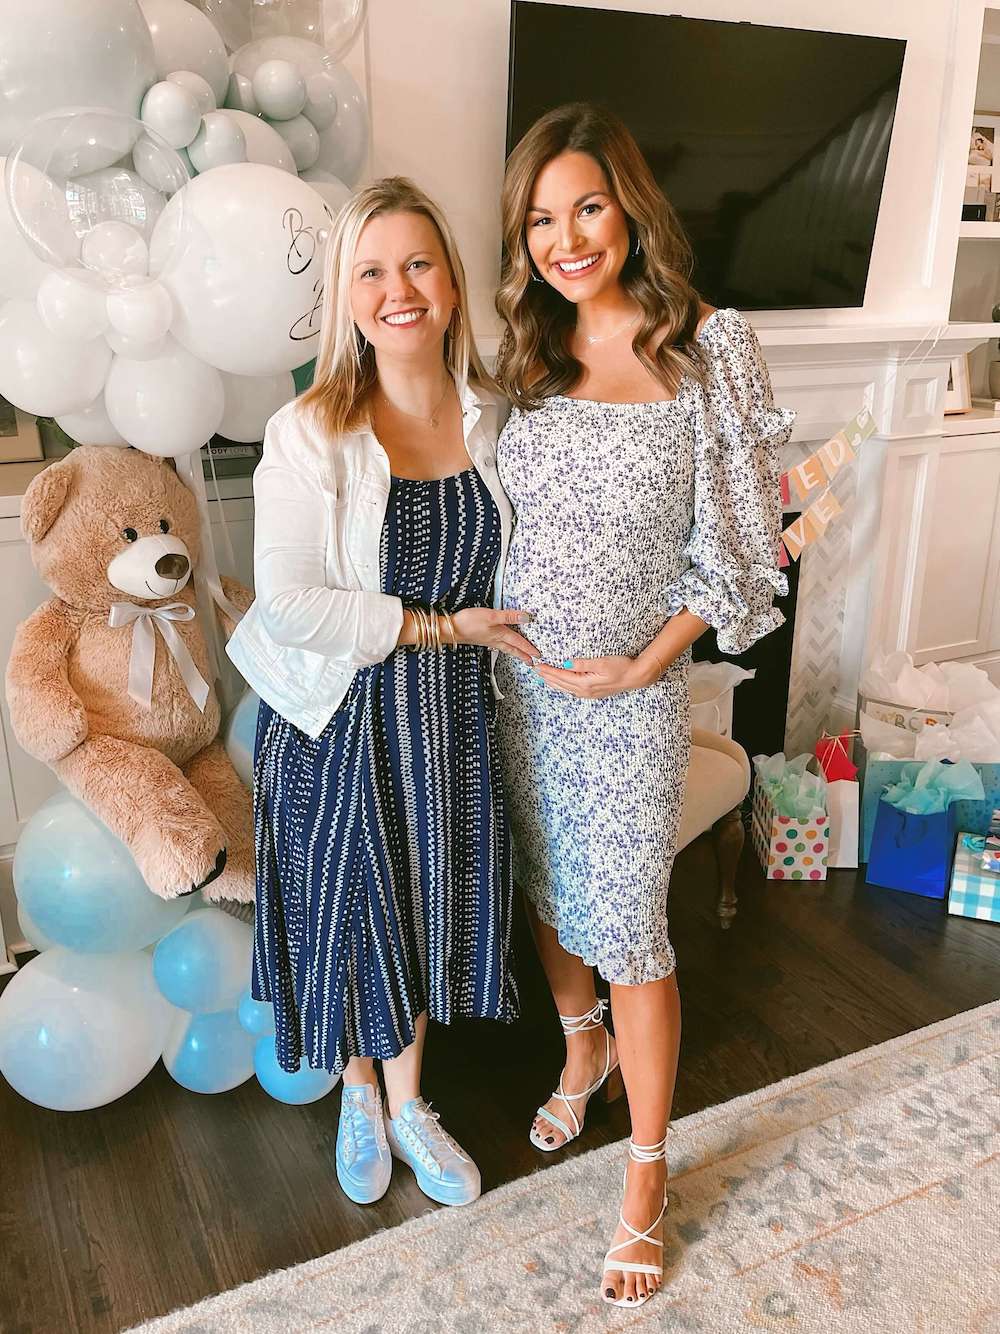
980,229
977,421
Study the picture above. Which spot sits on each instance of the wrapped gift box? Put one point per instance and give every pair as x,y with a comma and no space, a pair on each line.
789,849
974,892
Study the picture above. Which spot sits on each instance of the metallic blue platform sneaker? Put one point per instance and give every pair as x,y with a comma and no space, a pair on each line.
444,1171
364,1163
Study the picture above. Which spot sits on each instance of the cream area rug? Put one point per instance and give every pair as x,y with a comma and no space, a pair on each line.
860,1196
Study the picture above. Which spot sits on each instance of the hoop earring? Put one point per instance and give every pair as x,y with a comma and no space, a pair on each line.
536,277
638,247
362,346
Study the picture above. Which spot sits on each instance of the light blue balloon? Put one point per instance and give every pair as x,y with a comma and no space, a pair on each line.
209,1053
80,886
240,736
304,1086
256,1017
203,964
79,1030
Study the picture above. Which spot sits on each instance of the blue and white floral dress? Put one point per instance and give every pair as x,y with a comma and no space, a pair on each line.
624,514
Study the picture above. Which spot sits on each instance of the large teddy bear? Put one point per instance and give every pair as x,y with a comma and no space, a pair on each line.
109,681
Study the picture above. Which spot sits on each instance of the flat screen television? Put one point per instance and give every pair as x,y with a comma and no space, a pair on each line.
771,143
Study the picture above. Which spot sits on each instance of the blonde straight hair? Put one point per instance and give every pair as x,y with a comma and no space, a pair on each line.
534,361
345,362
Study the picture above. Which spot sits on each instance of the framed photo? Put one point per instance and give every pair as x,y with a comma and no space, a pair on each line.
19,438
982,170
958,393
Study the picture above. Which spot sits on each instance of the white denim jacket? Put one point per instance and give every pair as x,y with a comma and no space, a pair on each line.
319,613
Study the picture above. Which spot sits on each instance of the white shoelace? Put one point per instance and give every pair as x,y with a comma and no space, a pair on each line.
362,1125
428,1123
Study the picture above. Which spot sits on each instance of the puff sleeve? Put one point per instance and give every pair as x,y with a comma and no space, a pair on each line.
733,575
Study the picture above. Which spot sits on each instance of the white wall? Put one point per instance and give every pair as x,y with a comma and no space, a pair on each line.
439,93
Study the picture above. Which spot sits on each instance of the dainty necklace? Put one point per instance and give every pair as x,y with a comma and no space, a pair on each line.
606,338
433,421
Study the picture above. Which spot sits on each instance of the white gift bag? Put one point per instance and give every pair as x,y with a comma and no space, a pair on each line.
842,806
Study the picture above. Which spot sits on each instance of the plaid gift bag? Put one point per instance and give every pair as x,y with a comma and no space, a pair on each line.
974,892
789,849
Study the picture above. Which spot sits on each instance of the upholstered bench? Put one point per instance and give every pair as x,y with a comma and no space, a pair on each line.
718,780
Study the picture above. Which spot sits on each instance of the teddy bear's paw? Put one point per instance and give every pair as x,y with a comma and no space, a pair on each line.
174,866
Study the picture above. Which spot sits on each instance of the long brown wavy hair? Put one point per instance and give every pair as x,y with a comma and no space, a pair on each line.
534,361
345,372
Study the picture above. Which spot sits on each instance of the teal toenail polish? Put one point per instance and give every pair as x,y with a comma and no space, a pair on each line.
568,664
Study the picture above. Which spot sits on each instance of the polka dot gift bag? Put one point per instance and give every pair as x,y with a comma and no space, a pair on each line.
791,827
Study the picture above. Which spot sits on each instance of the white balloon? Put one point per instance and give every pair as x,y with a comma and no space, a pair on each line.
91,426
79,1030
142,312
58,53
132,349
250,401
116,251
248,285
183,38
264,144
279,89
301,137
343,148
166,405
30,930
333,190
239,95
196,85
218,143
42,373
321,100
172,112
72,307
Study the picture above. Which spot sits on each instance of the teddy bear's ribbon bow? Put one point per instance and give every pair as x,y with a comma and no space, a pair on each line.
143,655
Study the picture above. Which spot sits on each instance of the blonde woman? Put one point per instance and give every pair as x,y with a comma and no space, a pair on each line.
383,854
641,462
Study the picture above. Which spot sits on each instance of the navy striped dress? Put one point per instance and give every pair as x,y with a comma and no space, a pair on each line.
384,880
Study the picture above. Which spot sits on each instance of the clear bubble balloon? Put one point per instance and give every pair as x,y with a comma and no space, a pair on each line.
239,96
218,143
72,304
256,1017
248,296
231,18
240,736
44,374
172,111
70,53
209,1053
80,885
184,38
93,211
333,24
91,426
298,1088
203,964
167,404
343,148
79,1030
22,268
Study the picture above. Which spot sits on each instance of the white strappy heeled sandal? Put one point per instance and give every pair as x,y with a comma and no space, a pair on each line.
611,1078
639,1153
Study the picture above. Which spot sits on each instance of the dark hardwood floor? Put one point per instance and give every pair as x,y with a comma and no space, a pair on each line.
116,1215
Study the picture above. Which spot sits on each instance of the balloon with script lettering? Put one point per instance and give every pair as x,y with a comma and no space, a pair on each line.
247,286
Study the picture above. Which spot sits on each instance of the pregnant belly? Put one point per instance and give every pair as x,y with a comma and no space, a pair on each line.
603,611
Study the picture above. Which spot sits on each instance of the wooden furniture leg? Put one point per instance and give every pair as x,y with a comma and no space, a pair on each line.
728,838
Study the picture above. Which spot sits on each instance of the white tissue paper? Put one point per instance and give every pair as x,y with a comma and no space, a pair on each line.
948,711
711,686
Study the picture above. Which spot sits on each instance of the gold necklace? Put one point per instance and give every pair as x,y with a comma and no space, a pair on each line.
606,338
433,420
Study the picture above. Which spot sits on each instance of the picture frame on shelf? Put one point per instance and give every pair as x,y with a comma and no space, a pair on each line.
20,441
958,391
981,201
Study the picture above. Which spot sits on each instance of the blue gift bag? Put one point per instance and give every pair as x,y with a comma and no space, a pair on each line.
912,852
